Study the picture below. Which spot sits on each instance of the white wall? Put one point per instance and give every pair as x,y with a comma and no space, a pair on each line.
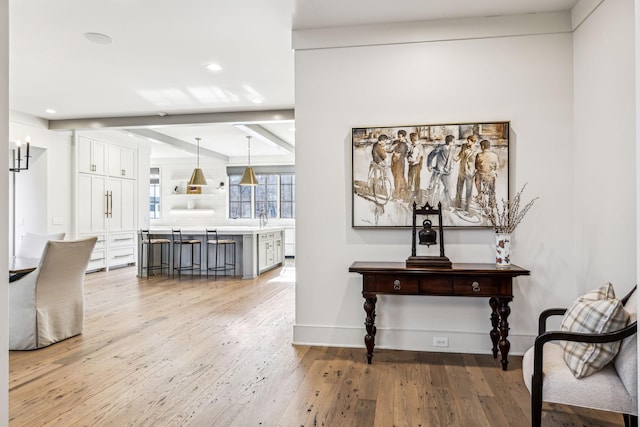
604,158
4,217
527,80
44,193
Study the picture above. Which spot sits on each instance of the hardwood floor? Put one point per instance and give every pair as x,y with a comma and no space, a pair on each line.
163,352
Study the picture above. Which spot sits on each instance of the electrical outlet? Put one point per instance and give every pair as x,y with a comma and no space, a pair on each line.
440,342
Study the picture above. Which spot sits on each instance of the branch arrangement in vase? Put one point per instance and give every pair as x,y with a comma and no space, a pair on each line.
505,216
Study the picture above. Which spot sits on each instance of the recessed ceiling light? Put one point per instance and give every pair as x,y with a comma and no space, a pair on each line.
50,111
257,101
98,38
213,67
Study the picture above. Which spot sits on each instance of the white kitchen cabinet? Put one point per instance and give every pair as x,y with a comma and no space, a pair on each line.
122,204
121,249
122,162
92,206
98,259
121,221
106,205
290,242
92,156
270,250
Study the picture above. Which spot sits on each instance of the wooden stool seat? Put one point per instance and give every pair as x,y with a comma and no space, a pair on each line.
157,241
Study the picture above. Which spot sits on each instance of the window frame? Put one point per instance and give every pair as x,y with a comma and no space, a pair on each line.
156,189
255,203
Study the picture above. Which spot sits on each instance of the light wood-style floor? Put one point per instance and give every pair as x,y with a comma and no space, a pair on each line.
164,352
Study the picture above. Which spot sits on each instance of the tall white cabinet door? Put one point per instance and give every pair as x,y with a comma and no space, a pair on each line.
93,204
91,156
121,204
128,204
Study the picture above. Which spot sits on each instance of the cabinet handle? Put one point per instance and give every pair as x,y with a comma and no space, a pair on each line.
475,287
110,204
122,172
106,204
396,285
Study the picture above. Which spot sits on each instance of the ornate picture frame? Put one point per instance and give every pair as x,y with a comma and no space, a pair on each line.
454,164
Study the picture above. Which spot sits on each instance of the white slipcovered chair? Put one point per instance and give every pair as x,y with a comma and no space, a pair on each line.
613,388
33,244
47,305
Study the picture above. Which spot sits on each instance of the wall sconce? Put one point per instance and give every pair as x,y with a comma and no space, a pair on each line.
221,186
18,158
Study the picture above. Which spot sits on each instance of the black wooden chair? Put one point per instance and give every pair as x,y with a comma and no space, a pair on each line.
613,388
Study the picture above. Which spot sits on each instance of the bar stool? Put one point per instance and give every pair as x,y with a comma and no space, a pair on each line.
220,249
152,243
178,243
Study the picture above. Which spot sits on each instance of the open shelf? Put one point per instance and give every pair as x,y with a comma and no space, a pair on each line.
193,211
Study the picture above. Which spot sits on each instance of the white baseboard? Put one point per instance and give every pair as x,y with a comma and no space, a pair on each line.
403,339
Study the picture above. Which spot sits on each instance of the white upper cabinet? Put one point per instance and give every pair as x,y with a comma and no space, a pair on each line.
91,156
122,162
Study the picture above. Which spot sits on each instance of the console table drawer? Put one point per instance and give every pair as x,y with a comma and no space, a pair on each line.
396,284
483,286
436,286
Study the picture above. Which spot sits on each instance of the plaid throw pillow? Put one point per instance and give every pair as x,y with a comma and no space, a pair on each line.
595,312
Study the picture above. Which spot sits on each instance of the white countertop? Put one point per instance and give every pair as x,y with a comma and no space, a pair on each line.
225,229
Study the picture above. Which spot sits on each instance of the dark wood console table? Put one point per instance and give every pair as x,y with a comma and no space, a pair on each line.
462,280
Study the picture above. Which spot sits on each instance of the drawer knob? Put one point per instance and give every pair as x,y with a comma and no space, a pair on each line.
396,285
475,287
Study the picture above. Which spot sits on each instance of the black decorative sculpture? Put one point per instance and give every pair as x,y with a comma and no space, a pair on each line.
427,236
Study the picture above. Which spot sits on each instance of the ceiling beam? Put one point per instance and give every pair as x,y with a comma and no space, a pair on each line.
178,143
263,134
169,119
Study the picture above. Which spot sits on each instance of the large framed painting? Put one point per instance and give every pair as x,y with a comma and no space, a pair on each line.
452,164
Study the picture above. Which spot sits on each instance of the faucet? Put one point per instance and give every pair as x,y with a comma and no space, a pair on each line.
263,219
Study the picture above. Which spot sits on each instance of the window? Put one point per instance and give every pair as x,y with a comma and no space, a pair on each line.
287,196
239,198
274,194
267,196
154,193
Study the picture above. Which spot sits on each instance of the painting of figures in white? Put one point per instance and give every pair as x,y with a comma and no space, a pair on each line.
454,164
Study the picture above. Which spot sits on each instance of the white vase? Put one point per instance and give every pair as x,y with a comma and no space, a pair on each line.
503,250
191,204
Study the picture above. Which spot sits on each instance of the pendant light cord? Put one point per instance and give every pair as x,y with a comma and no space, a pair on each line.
249,150
198,161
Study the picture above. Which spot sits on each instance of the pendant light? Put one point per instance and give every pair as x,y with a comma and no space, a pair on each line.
249,177
197,177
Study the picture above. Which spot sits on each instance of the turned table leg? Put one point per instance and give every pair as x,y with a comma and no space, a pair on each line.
494,334
504,310
370,337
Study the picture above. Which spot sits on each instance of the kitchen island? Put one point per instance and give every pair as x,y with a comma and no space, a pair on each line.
258,249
